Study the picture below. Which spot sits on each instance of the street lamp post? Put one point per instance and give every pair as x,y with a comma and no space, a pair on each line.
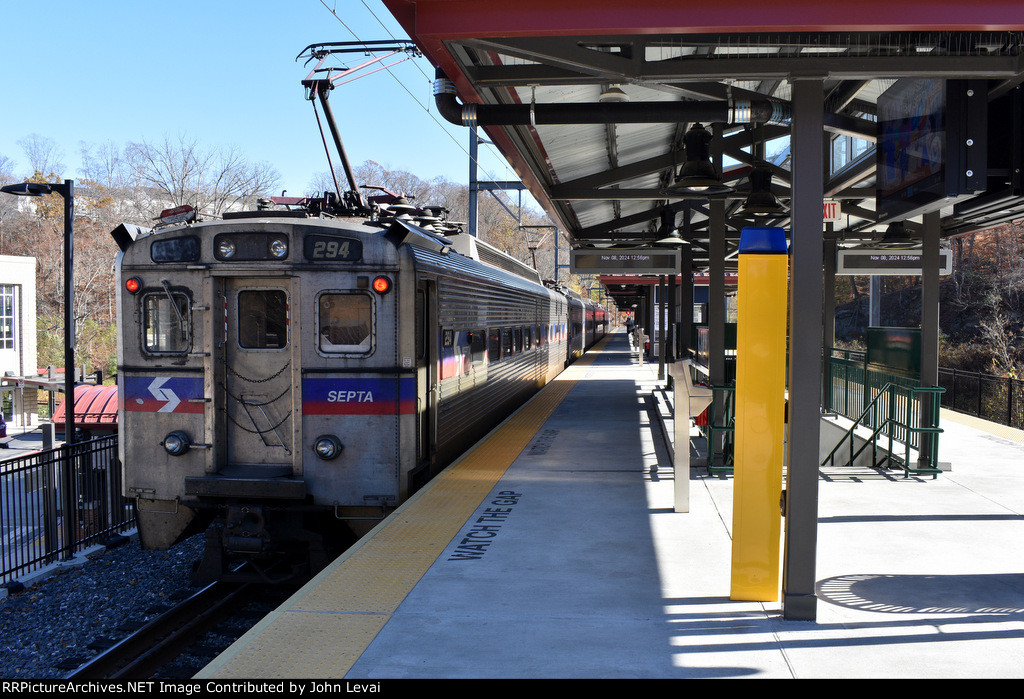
67,192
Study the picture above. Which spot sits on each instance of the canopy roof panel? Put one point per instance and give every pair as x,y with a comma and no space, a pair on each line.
605,182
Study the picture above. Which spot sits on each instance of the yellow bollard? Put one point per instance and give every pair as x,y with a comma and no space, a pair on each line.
760,413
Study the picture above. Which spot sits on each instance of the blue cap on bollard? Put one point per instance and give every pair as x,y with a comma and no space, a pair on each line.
763,240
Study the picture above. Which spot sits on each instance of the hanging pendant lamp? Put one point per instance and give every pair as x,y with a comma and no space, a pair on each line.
697,177
761,201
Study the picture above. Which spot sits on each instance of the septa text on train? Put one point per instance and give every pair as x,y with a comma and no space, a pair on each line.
349,397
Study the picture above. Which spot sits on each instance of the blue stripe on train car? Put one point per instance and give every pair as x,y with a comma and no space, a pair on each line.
359,396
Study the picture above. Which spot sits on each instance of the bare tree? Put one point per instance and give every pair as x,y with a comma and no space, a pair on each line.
1002,338
6,170
8,207
114,195
213,181
44,156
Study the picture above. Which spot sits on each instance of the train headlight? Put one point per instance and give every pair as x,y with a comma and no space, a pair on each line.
176,443
225,249
279,248
327,447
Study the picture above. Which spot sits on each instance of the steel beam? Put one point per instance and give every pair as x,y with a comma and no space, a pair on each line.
929,318
685,301
615,175
828,339
630,65
662,325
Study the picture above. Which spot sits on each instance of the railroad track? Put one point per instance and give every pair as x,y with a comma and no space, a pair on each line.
151,649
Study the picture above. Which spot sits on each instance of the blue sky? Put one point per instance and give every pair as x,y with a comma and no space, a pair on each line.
224,73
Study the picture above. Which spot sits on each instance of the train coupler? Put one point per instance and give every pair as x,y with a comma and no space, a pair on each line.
245,530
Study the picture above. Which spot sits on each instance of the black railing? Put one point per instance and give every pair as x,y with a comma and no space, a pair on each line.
998,399
38,490
994,398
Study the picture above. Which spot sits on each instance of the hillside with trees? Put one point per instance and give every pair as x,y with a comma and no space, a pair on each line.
134,182
981,312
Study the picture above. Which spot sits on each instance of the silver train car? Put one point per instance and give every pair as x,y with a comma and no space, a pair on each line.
286,379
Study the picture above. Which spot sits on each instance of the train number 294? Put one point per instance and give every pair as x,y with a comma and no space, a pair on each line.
331,248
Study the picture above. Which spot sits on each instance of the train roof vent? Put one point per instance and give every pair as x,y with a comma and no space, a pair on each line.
477,249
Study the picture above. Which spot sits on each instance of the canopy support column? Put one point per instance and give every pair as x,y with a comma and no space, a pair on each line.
801,494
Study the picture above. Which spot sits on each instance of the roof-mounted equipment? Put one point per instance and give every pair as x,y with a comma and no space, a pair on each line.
322,79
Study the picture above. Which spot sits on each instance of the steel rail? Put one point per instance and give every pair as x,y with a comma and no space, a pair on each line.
159,641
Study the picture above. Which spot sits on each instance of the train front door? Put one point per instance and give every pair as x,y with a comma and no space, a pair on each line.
256,387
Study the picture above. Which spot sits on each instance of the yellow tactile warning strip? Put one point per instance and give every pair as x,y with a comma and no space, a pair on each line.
323,629
1011,433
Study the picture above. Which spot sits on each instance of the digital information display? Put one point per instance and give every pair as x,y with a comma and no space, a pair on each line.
638,261
887,261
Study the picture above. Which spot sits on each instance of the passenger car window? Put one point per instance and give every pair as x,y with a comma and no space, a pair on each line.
262,319
506,342
478,345
344,323
166,323
494,345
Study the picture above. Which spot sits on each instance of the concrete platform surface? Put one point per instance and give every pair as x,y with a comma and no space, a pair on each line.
589,572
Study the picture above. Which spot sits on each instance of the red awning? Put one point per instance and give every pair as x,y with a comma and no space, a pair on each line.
95,408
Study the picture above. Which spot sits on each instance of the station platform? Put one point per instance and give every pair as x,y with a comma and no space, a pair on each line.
553,550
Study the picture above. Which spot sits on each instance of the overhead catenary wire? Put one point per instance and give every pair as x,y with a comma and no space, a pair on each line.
425,107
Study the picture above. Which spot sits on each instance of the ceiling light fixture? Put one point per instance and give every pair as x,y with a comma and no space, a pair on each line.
697,177
761,201
613,94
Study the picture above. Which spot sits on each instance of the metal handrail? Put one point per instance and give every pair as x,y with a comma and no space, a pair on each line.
890,425
726,429
856,423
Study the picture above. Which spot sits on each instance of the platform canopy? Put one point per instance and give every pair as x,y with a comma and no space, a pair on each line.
592,102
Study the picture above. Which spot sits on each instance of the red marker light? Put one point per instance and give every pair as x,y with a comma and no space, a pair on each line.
382,285
133,285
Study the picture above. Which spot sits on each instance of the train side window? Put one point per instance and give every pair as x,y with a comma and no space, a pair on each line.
506,342
517,340
166,323
527,338
262,319
494,345
478,346
344,323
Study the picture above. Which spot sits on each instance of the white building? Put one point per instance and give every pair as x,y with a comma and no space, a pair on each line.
17,319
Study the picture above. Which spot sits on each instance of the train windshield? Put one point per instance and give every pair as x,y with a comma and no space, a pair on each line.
345,322
166,326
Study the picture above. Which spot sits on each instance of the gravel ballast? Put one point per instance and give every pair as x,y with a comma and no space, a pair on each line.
61,612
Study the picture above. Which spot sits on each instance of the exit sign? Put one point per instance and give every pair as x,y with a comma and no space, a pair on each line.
831,212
